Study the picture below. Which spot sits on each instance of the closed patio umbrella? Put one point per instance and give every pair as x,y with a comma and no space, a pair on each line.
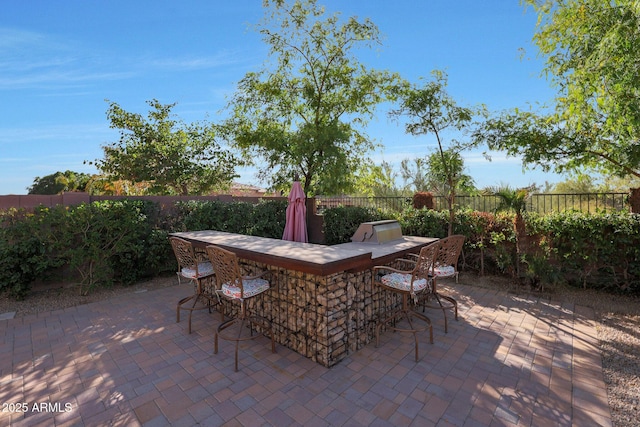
295,228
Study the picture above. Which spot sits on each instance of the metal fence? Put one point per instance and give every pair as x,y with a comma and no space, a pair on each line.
384,203
540,202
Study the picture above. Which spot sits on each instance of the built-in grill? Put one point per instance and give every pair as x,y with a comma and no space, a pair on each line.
377,232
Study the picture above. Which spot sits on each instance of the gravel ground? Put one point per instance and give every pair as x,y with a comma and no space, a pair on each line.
618,329
619,336
59,297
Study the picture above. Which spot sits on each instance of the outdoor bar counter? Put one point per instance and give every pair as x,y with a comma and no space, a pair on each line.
322,302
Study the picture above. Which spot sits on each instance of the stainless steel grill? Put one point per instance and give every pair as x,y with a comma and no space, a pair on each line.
377,232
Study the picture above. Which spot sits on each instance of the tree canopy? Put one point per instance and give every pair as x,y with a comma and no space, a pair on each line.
592,51
59,182
169,156
304,113
429,109
378,181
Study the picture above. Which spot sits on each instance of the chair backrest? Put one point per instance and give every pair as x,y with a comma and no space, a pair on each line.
425,262
185,254
449,252
225,264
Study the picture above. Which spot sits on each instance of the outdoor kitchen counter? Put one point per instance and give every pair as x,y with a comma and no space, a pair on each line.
321,260
322,302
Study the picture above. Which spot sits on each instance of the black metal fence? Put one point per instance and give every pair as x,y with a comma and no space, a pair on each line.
539,202
385,203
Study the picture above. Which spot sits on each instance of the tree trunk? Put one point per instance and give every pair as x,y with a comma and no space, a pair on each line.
521,239
452,213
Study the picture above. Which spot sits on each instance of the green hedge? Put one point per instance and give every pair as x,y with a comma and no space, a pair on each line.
588,250
116,241
122,241
599,251
24,253
342,222
98,244
265,219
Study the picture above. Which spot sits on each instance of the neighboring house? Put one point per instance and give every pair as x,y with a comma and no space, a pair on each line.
245,190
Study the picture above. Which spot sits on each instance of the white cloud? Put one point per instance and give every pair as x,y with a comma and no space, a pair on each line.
31,60
69,132
224,58
40,61
495,157
12,39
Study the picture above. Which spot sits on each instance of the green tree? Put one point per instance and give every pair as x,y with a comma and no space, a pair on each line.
168,155
578,184
592,50
619,184
106,185
378,181
430,110
446,169
414,174
305,113
59,182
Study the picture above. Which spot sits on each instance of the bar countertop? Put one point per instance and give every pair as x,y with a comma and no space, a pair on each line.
311,258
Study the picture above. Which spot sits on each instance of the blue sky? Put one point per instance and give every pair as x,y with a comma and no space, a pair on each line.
60,61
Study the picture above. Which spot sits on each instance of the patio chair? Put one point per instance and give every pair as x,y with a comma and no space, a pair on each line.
410,284
237,288
200,273
445,265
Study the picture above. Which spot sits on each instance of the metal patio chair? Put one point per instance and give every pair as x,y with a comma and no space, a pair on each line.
200,273
235,287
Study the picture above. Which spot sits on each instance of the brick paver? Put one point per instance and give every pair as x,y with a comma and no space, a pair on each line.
508,361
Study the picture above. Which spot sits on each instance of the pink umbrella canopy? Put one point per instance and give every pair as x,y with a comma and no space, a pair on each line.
295,228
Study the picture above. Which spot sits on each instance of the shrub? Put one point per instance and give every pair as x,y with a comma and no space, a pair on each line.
423,200
21,263
108,242
266,218
125,240
25,255
342,222
423,222
102,243
592,250
200,215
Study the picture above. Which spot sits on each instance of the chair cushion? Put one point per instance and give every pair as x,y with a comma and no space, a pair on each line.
402,281
204,269
252,287
444,271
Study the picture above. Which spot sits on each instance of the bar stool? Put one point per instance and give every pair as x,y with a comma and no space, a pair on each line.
410,284
445,265
237,288
200,272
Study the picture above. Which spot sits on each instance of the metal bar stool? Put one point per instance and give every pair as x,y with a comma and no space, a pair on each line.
237,288
410,284
200,273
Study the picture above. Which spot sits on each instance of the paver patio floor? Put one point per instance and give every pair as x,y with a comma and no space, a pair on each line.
508,361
